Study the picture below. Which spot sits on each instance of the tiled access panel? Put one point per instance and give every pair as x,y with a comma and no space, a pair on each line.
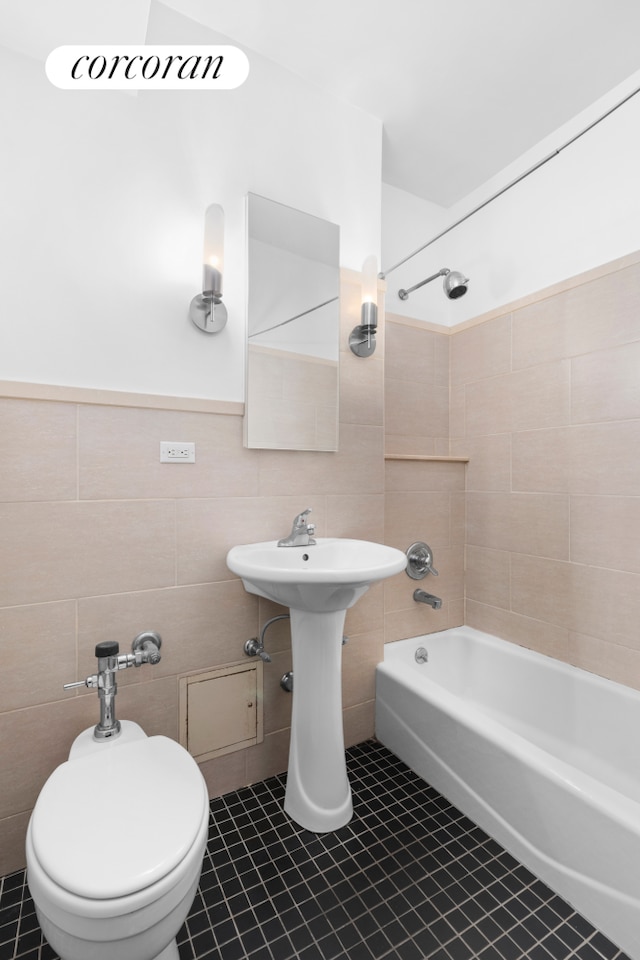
410,878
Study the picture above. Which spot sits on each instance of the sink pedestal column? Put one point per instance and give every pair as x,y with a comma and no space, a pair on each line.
318,795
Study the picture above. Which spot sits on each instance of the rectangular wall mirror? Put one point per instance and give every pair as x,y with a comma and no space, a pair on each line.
293,328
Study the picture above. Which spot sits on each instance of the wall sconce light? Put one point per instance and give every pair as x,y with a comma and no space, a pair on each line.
362,338
207,310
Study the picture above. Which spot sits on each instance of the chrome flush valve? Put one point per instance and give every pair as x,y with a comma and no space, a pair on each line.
145,649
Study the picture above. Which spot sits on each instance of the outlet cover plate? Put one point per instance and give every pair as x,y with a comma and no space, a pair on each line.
177,451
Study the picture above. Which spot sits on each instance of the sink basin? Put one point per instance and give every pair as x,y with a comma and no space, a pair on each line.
318,583
330,575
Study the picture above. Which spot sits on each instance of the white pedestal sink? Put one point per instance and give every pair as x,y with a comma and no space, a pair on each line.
318,583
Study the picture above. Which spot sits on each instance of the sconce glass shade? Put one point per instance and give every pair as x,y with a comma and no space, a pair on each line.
370,280
213,253
207,310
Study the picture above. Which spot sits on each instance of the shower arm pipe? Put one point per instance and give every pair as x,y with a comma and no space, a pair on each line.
508,186
416,286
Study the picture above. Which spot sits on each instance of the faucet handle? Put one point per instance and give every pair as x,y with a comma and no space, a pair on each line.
420,559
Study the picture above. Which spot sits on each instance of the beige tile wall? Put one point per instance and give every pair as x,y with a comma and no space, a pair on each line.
424,500
545,401
98,541
416,389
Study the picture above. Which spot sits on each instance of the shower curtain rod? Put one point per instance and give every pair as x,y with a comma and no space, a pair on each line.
383,274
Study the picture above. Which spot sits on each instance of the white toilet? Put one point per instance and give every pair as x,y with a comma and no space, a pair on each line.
115,846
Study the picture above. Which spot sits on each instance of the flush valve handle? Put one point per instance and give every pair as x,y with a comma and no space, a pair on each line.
78,683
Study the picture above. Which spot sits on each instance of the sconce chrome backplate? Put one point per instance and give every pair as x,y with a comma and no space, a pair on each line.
208,314
362,341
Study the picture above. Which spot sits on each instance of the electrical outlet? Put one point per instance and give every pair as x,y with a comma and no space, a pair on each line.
175,451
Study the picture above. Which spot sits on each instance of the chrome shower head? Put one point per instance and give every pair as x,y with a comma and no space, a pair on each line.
454,284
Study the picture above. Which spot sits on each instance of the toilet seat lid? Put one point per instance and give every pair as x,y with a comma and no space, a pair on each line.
120,818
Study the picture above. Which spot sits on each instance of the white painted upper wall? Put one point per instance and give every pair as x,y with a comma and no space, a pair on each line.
579,210
103,199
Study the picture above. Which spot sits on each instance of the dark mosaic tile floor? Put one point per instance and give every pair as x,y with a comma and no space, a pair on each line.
409,878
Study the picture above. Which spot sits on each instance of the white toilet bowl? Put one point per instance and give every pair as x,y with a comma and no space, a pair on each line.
115,846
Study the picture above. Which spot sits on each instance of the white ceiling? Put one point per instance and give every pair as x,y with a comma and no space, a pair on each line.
463,87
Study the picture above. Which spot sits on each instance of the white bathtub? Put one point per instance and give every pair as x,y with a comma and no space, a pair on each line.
544,756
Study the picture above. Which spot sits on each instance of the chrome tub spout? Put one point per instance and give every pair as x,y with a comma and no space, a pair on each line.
421,596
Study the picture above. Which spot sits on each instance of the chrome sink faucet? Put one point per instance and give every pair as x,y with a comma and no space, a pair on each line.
301,532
